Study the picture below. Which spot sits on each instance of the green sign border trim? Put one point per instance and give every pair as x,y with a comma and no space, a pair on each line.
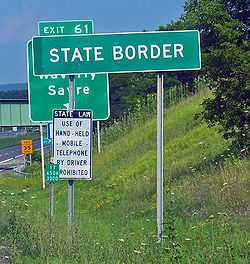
123,33
66,21
29,105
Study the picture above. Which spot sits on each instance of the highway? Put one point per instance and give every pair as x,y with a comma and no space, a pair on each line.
12,152
15,151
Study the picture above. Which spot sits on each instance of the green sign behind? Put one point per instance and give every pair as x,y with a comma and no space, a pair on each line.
121,52
47,141
72,27
50,92
52,173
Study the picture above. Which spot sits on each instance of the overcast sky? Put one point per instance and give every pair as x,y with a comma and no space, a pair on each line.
18,23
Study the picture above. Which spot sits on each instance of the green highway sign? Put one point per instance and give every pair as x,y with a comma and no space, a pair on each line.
72,27
50,92
52,173
47,141
119,52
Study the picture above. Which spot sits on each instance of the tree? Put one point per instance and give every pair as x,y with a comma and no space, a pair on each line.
127,90
224,28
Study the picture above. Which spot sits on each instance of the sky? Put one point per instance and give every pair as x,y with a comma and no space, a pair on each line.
18,23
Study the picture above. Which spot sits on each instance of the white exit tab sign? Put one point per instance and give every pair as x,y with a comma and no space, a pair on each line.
72,145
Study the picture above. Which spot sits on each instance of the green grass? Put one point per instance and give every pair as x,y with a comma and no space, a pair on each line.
206,211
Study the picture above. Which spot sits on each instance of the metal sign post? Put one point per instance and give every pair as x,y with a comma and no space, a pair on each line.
71,182
24,161
30,157
51,201
98,137
160,149
42,156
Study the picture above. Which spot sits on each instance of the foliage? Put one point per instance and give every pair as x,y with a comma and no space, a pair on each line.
144,108
18,94
127,90
224,28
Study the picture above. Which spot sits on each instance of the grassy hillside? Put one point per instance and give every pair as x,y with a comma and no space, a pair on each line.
207,202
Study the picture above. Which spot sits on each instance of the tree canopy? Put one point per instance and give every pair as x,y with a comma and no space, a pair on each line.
225,31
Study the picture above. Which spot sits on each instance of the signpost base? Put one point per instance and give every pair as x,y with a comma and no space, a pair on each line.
42,157
51,211
70,203
51,201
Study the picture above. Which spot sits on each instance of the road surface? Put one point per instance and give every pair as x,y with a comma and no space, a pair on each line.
9,153
15,151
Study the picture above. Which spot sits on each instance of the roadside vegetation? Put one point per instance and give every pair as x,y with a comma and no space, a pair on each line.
206,170
206,199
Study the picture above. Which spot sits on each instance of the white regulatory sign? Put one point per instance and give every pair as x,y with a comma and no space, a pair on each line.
72,145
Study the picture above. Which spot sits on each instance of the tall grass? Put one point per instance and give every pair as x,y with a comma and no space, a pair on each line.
206,211
147,111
